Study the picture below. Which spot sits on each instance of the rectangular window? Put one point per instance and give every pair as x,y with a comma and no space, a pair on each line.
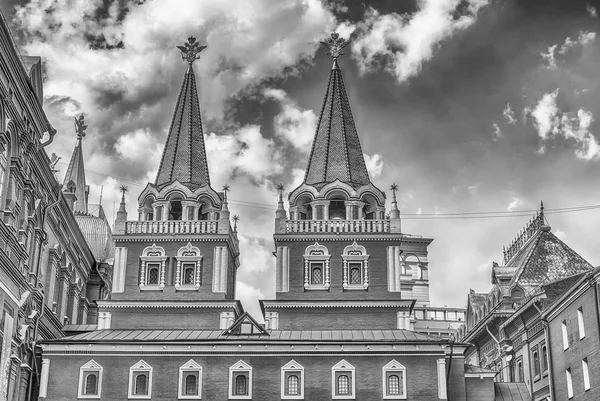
355,272
188,272
544,359
536,362
419,314
586,374
316,273
569,384
580,323
152,273
565,335
439,315
451,315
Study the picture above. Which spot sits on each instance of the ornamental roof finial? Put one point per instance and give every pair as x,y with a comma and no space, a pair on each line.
236,218
80,126
190,51
335,44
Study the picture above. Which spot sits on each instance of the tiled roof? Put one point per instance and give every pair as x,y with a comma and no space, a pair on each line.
275,335
511,392
184,156
336,153
76,174
98,235
546,258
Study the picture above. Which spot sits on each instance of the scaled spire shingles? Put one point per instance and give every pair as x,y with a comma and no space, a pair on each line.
184,156
336,153
75,177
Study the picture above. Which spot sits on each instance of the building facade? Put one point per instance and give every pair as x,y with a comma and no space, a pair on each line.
347,281
49,274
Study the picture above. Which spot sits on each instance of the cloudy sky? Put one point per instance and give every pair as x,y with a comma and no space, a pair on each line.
470,106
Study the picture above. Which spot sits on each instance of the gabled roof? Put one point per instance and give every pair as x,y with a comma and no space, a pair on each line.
546,258
336,153
245,318
184,156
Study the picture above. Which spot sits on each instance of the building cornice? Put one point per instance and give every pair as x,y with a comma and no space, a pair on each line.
405,304
171,304
366,237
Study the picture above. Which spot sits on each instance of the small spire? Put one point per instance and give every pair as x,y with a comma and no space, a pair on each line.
280,213
236,218
122,213
80,126
394,213
224,205
74,184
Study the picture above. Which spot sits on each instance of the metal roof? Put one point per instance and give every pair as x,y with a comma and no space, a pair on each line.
511,392
275,335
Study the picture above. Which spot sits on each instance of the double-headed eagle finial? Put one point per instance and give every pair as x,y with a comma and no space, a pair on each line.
190,51
335,44
80,126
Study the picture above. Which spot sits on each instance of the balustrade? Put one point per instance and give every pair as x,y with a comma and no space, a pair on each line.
337,226
172,227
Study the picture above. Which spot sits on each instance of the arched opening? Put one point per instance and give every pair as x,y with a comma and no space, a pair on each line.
91,384
337,209
293,385
203,209
141,384
191,384
241,385
343,385
148,213
175,210
369,210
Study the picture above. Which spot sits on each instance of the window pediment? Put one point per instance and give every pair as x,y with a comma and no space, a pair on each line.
154,253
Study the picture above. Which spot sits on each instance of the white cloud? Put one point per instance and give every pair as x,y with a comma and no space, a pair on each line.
549,57
591,11
295,125
374,164
550,122
509,114
514,204
249,295
419,211
497,133
560,234
402,43
583,39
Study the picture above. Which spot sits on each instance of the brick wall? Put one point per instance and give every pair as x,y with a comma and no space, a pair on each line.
266,386
165,318
337,318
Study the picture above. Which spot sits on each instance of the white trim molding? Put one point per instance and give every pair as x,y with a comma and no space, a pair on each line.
119,269
153,254
394,368
343,368
92,367
140,367
282,272
292,368
104,319
188,255
272,320
195,369
316,254
226,319
355,254
441,376
220,264
238,369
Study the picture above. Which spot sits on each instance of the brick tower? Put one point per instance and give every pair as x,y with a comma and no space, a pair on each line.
179,259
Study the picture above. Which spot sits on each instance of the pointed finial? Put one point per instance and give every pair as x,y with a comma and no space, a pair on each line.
225,190
235,218
541,207
334,45
394,188
190,51
280,187
80,126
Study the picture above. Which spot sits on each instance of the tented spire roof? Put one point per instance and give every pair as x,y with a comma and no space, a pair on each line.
74,181
336,153
184,155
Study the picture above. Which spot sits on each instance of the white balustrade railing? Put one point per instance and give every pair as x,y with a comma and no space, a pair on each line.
338,226
172,227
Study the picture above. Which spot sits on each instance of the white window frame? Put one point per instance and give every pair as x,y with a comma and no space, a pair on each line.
393,367
343,367
194,367
192,255
586,374
153,254
355,254
292,367
565,335
316,253
240,366
141,366
569,383
581,323
90,367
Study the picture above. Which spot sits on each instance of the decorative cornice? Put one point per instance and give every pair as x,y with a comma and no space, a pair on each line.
408,304
170,304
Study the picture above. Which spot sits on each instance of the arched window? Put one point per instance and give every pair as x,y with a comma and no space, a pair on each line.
91,384
536,362
343,385
188,274
191,384
316,274
337,209
356,273
4,156
141,384
393,385
241,385
544,358
293,385
152,274
175,211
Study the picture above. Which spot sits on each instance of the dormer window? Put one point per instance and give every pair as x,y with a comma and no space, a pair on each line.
153,267
316,267
188,271
355,267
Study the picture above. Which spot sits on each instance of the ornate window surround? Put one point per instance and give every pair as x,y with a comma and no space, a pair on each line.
388,370
352,254
190,366
90,367
152,254
316,253
188,254
292,367
143,367
240,367
343,367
